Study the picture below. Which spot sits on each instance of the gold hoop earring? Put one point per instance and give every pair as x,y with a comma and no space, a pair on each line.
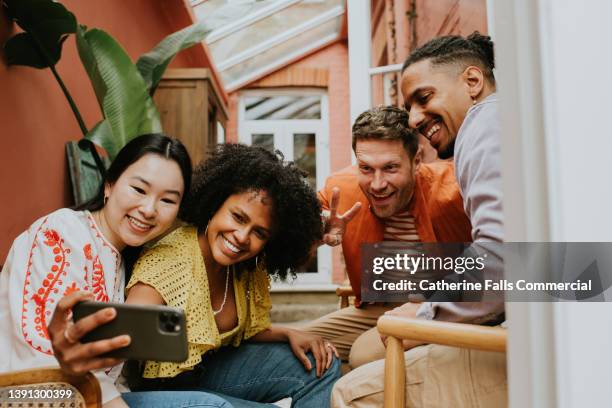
473,101
206,229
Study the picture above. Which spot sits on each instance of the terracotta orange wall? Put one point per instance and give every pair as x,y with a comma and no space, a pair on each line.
36,120
335,59
444,17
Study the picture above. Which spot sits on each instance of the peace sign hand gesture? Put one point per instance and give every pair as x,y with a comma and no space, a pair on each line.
335,224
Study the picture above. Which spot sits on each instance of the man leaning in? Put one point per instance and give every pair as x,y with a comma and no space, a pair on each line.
403,200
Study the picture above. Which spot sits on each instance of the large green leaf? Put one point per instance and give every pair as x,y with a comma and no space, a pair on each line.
46,25
22,50
102,135
44,16
153,64
121,91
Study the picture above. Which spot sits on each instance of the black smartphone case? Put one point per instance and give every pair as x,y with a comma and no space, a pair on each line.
158,332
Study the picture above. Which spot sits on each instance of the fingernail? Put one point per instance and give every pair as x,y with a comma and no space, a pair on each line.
110,312
125,340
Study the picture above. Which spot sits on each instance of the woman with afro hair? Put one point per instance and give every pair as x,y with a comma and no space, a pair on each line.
251,216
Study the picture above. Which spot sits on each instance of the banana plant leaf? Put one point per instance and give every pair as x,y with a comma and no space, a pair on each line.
46,26
153,64
102,135
120,90
23,49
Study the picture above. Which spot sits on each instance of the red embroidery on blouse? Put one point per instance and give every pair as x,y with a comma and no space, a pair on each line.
41,295
71,289
98,282
104,242
42,298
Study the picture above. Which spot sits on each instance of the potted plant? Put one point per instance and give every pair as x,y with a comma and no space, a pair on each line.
123,89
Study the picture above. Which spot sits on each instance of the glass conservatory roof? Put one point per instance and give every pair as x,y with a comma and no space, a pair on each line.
249,38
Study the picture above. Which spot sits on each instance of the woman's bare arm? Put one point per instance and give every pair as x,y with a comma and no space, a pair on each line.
143,294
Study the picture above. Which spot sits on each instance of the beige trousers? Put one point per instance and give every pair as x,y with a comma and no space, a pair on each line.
436,377
353,331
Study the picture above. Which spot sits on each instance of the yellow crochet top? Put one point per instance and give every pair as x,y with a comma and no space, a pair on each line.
175,268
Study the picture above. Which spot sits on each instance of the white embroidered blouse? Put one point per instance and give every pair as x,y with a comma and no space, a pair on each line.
60,253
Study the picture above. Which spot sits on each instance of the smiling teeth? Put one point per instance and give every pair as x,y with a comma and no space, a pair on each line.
381,196
139,224
230,246
433,130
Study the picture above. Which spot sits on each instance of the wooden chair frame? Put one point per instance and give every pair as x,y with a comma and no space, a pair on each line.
344,292
87,385
461,335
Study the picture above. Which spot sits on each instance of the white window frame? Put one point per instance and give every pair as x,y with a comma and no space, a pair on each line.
285,128
278,39
249,19
360,54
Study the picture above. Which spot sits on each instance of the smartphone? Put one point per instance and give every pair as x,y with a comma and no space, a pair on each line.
158,332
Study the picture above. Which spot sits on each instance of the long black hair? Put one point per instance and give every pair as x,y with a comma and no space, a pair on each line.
153,143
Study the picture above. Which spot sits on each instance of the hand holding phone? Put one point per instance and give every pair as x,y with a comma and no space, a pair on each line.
157,332
74,357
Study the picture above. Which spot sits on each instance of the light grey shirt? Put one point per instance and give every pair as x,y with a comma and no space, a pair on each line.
478,172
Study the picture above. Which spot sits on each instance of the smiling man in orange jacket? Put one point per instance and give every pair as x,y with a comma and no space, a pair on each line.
390,195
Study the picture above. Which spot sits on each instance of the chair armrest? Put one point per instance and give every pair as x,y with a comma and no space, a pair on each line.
343,292
461,335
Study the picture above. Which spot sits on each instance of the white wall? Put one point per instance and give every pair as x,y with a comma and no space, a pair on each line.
578,88
555,74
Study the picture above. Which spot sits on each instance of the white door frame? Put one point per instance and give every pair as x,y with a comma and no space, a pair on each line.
530,357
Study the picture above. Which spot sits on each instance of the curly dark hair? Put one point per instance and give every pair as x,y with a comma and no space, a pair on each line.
385,123
296,212
476,49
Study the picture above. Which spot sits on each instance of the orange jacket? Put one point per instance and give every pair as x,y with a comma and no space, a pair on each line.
436,205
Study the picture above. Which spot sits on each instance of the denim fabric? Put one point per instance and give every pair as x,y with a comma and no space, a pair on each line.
267,372
256,375
174,399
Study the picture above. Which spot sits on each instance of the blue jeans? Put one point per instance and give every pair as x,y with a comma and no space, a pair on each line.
174,399
252,375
